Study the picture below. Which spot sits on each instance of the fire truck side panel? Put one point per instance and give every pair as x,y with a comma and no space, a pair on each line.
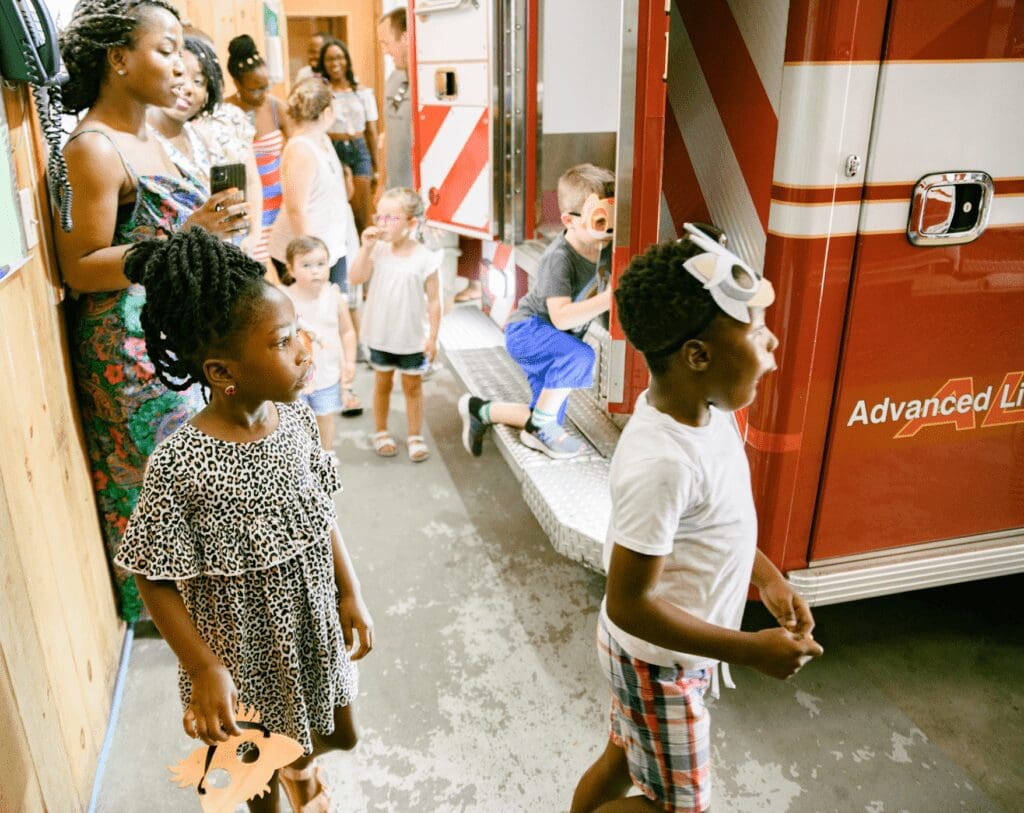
927,435
452,133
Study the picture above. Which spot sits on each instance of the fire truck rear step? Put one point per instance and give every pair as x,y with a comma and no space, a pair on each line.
568,497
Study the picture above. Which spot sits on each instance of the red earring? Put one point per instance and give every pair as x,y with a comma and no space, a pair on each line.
230,389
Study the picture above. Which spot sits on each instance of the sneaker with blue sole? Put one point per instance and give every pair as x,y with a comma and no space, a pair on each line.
552,440
473,429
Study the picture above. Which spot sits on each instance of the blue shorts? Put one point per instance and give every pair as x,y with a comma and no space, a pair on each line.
356,156
659,719
406,363
324,402
338,274
551,358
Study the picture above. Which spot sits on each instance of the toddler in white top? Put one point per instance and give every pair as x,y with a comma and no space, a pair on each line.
322,313
401,315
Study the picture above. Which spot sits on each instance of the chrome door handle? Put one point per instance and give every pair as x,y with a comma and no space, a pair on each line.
949,208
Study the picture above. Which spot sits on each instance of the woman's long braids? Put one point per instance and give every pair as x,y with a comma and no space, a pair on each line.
200,292
96,26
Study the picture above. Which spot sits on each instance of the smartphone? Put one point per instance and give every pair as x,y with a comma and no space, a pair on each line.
227,176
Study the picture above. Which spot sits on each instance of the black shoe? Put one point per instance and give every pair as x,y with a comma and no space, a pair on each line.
473,429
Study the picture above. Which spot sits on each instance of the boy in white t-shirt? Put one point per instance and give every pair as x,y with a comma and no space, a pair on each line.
681,549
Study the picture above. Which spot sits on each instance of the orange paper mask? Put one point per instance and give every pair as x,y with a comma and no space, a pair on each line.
247,779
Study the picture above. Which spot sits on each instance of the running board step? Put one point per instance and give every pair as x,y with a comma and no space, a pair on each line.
568,497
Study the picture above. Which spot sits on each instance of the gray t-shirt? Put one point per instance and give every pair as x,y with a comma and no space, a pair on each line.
562,272
398,115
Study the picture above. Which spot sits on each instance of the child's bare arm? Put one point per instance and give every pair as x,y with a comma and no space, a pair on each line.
211,712
633,607
348,340
353,613
362,265
566,314
778,595
432,288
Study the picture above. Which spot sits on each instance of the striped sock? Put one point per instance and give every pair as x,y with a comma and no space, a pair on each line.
539,418
480,408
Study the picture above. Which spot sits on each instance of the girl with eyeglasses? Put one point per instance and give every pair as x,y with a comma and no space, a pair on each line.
401,315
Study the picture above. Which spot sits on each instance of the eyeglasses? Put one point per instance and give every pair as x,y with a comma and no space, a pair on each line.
386,220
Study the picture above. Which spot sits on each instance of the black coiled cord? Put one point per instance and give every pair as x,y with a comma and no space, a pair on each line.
50,110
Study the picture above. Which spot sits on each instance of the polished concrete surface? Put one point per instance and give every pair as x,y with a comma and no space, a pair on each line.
483,692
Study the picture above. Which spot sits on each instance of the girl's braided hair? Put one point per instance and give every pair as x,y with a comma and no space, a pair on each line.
95,27
243,56
200,293
203,51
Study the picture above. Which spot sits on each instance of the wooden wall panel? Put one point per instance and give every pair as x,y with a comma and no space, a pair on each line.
59,633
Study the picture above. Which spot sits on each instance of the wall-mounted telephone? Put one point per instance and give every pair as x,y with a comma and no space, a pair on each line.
28,42
29,52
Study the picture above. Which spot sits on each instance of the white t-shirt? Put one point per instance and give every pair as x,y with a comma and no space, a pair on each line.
394,316
320,317
352,110
683,492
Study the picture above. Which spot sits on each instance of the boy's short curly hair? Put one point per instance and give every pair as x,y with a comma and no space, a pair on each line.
660,305
580,182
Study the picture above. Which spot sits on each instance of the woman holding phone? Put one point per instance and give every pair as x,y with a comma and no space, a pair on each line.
123,57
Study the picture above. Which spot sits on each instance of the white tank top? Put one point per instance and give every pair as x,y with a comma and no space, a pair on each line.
320,317
328,214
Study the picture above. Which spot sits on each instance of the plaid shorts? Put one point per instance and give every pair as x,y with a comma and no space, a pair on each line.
658,718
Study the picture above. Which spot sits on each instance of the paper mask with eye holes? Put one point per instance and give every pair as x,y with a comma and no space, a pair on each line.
734,286
597,216
247,780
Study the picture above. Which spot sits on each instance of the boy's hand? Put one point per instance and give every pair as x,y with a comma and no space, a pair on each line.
430,349
788,606
210,715
371,234
355,616
780,653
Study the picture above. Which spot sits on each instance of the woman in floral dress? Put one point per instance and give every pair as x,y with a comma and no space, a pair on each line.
125,188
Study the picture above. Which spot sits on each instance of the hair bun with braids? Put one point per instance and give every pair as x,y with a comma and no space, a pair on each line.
200,292
243,56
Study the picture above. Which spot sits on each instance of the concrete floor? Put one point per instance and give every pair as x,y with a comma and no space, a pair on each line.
483,692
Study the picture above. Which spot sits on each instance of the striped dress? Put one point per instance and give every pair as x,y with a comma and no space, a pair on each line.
268,149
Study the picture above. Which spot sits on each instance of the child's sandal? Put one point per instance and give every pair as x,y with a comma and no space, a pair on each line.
321,803
350,403
383,444
418,450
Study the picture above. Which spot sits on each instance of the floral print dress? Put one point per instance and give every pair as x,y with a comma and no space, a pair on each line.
125,408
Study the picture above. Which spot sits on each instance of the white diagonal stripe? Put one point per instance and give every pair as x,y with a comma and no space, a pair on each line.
763,26
448,145
475,207
714,162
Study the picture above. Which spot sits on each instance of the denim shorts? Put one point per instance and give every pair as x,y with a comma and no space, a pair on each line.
356,156
406,363
324,402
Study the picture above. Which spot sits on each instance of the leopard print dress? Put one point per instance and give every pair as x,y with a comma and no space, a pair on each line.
244,531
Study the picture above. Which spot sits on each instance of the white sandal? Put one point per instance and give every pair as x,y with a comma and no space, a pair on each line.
383,444
418,450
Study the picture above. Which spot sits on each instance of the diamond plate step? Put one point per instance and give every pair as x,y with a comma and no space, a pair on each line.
568,497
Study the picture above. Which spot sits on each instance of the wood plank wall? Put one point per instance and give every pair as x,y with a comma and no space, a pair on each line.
225,19
60,637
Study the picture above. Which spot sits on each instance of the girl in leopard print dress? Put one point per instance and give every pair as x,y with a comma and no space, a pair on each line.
234,543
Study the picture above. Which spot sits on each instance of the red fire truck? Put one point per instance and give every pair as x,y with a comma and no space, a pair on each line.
868,154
